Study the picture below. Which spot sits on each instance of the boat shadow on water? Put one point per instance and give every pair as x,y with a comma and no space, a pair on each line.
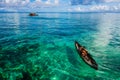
72,58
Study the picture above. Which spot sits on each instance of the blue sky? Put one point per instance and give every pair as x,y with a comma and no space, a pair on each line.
61,5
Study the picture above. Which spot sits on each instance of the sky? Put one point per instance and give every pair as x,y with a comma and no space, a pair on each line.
60,5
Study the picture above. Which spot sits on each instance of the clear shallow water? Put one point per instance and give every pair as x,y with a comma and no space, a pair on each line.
42,47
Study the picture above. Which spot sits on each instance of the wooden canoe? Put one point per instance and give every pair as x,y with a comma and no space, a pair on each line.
87,58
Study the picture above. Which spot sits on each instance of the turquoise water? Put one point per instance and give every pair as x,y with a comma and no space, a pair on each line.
42,47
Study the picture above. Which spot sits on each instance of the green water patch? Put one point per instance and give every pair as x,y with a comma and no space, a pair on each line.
14,58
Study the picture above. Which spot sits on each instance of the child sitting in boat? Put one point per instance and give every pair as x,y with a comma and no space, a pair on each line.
84,53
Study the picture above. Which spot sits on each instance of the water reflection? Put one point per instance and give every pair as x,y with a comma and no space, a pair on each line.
105,30
103,38
16,19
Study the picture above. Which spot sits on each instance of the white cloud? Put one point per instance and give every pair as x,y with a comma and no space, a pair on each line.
112,0
7,1
78,9
56,1
99,7
38,1
48,2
